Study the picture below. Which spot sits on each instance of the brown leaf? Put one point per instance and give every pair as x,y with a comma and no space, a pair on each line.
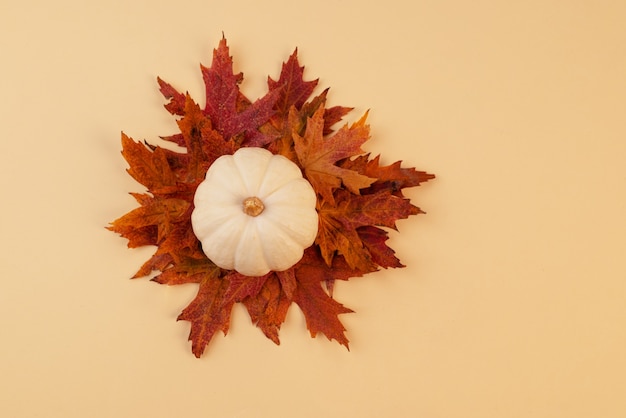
392,177
149,168
204,144
176,106
241,287
287,281
293,90
187,270
338,224
159,261
268,308
207,313
318,155
157,215
320,310
373,240
313,265
332,115
335,238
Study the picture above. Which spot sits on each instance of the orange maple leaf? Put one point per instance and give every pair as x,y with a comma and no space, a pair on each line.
339,223
318,155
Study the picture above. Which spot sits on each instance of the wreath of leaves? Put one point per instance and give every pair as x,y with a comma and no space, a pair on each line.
357,198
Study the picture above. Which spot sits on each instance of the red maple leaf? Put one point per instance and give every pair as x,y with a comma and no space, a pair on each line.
224,101
320,309
392,177
291,87
339,223
357,198
268,308
293,109
207,312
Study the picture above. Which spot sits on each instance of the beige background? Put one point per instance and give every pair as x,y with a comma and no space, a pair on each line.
513,301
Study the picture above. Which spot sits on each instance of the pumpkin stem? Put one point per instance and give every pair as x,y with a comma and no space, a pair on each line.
253,206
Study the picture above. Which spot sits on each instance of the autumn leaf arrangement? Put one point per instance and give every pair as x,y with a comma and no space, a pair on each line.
356,201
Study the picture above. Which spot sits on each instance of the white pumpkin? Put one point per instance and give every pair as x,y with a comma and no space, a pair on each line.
254,212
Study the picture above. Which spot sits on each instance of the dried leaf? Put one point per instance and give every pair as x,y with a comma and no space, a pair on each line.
292,89
176,106
320,310
373,240
223,100
392,177
339,223
207,313
268,308
241,287
318,156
